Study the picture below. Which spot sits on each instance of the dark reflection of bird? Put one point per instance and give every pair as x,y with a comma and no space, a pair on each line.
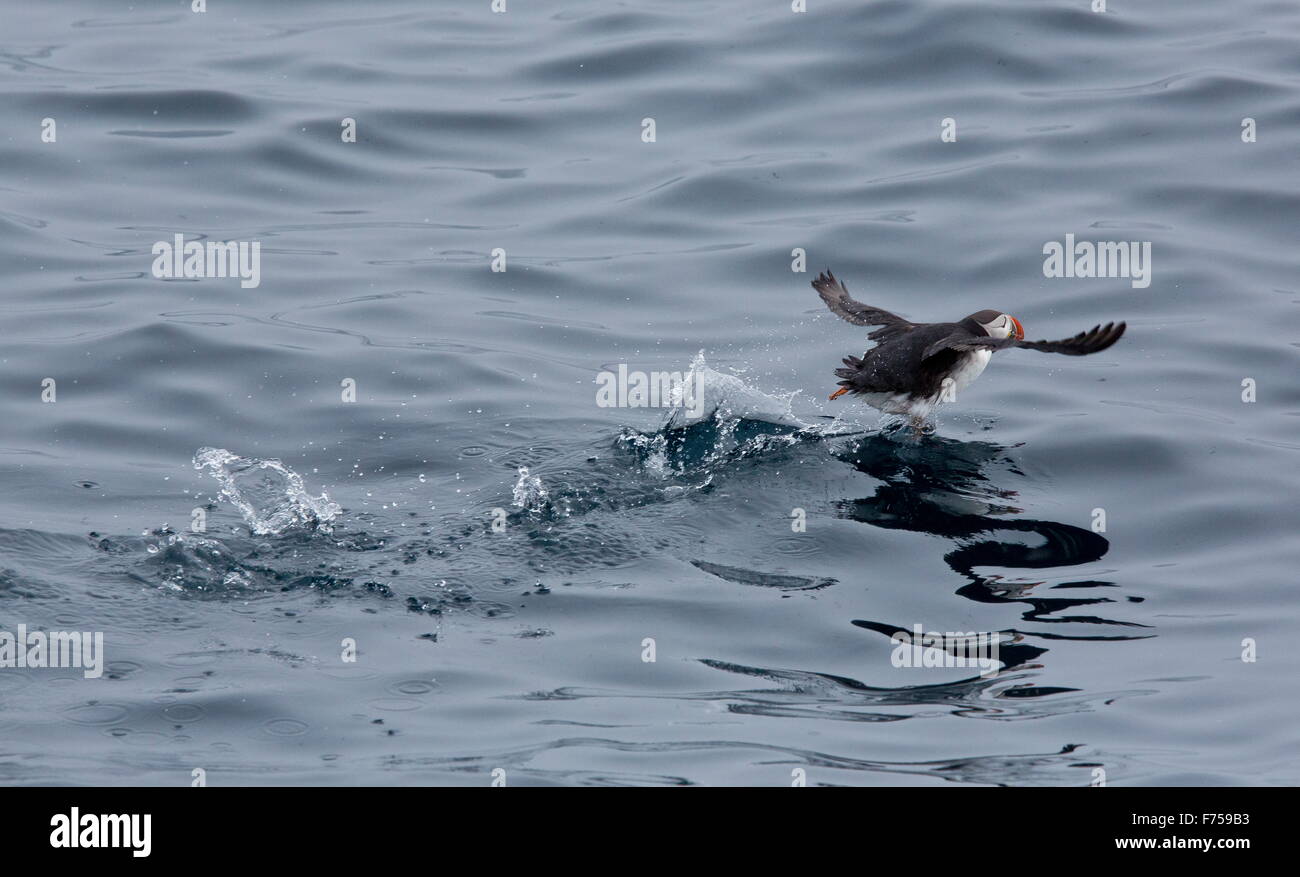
915,366
941,488
957,490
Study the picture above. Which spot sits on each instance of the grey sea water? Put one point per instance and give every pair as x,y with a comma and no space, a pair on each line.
365,529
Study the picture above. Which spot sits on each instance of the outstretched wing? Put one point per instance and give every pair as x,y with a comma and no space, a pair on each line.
1095,340
838,300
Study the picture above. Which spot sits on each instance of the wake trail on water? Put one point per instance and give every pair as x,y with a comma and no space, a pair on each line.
584,507
728,421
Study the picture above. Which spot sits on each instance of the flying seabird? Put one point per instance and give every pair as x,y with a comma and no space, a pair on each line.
915,366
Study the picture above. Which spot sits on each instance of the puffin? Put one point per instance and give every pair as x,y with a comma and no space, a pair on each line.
916,366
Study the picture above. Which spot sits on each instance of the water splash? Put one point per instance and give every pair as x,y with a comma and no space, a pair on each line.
728,398
269,495
730,421
529,494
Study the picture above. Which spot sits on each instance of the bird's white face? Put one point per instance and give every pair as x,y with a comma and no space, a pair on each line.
1004,326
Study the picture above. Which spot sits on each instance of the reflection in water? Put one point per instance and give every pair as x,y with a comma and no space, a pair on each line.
956,490
939,486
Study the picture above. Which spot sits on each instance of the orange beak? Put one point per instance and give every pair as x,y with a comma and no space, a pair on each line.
1020,330
838,393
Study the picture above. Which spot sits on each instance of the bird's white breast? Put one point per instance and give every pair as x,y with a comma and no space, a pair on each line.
970,367
965,370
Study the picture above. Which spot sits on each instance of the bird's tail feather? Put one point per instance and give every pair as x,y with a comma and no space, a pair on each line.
854,366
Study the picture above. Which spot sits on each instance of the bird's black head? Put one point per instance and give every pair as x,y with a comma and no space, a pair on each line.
994,324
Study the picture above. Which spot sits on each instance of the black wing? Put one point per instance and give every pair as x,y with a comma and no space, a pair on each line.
1095,340
838,300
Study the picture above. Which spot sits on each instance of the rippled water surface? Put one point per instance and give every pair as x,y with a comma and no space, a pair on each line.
502,619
